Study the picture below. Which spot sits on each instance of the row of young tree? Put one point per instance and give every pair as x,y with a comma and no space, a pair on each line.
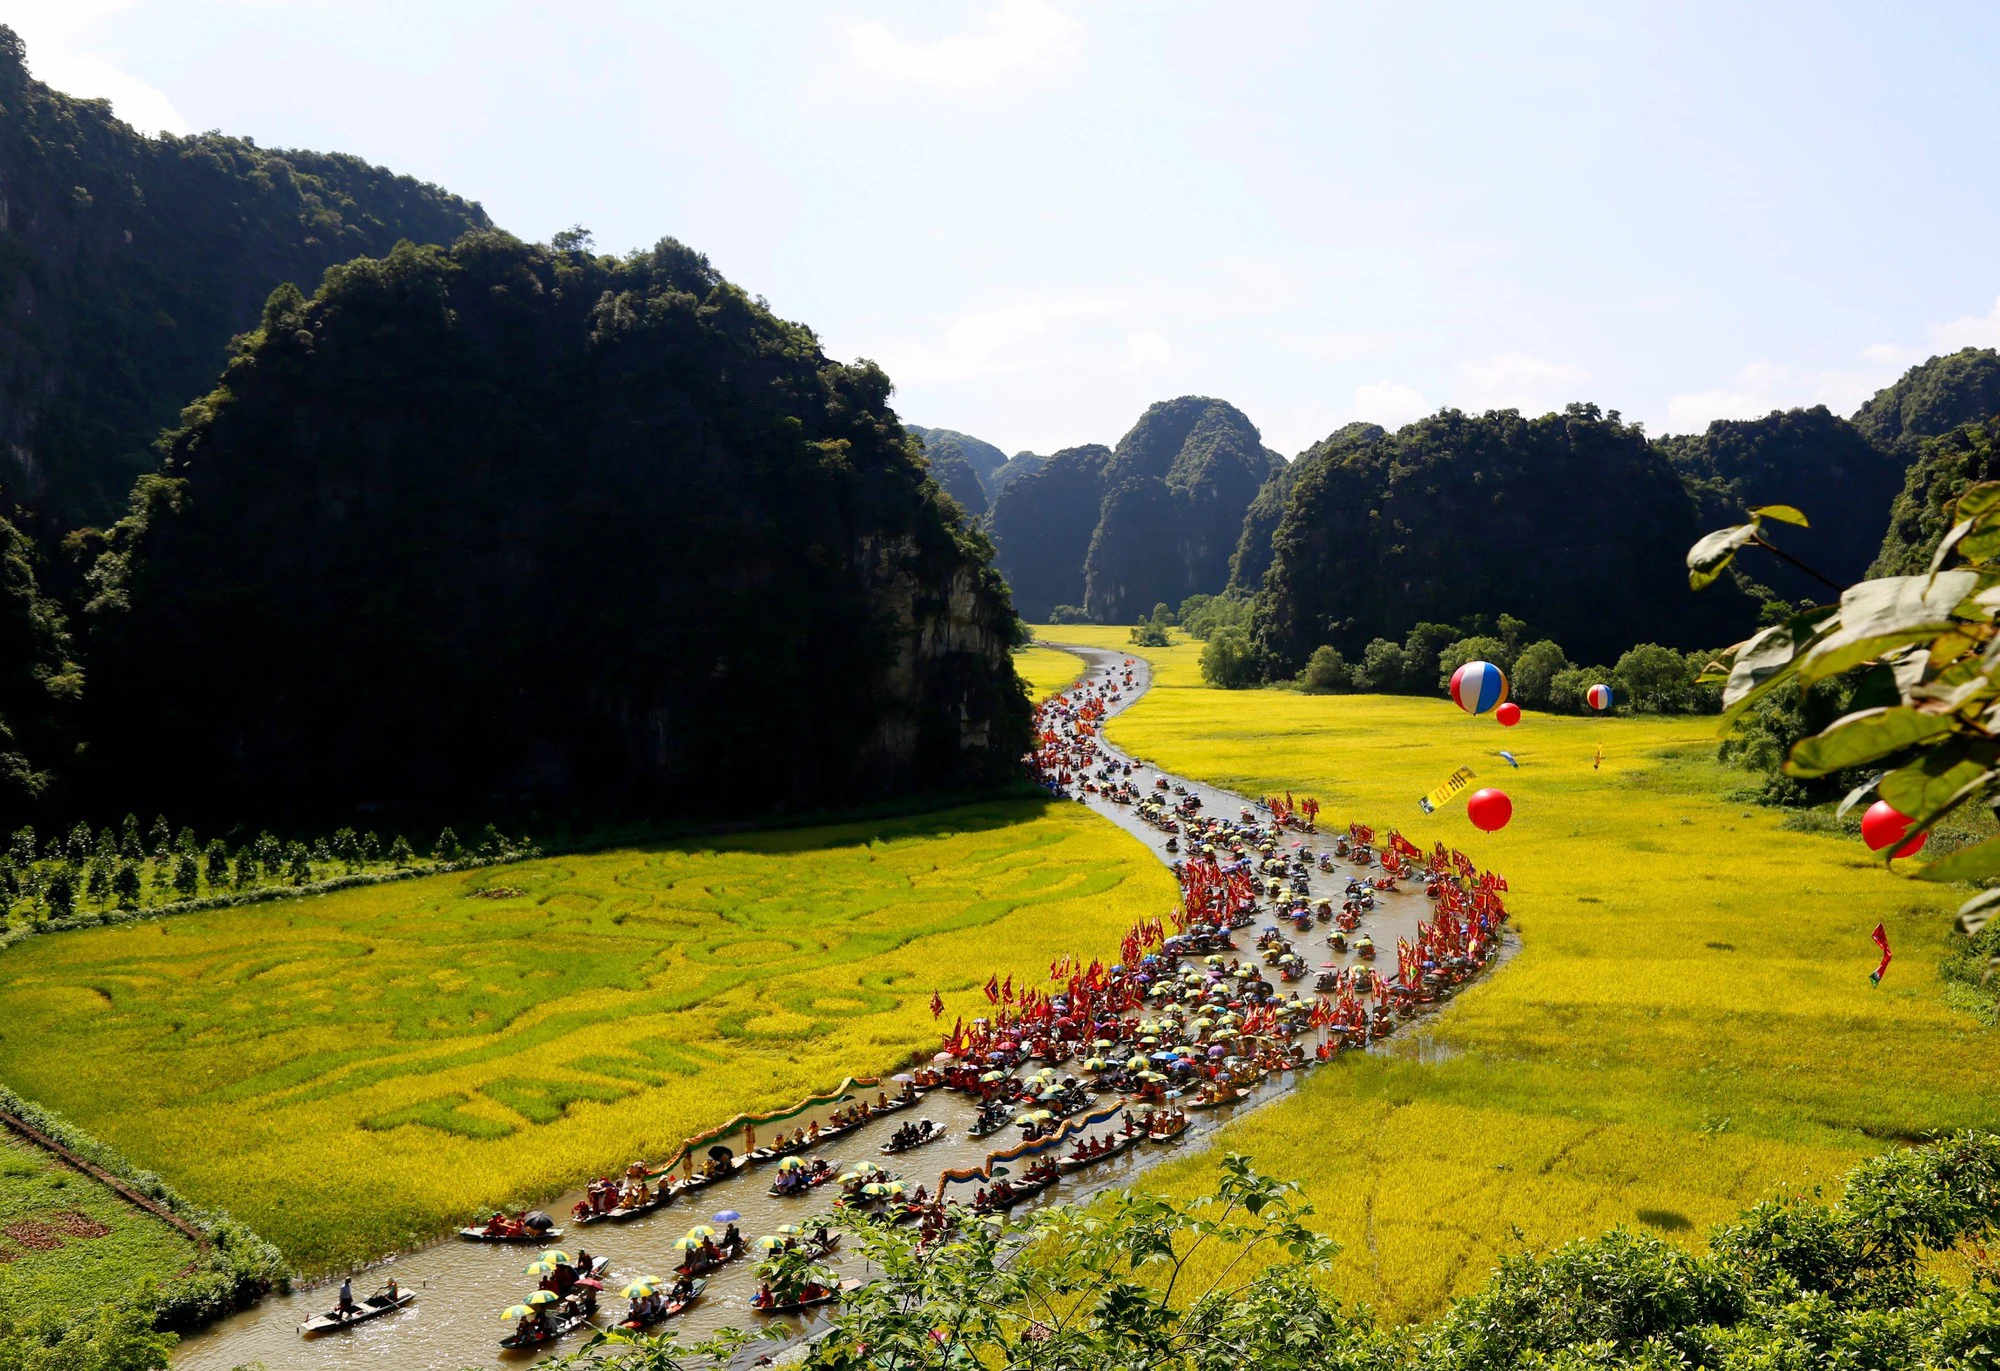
1647,678
116,867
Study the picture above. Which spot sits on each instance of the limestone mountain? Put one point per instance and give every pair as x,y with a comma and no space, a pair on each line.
1260,522
128,262
497,526
1572,521
1176,492
1042,525
952,466
1019,465
1935,398
39,684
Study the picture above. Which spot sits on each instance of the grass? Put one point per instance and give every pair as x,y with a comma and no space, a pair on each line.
353,1073
1689,1023
1047,670
68,1243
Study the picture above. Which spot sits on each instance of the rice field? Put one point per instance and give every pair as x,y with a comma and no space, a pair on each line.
1688,1026
354,1073
68,1243
1047,670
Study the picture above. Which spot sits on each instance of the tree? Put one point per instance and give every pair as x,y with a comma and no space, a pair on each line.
401,854
187,876
1569,689
97,878
78,846
1383,667
1423,653
1655,679
371,848
1534,669
247,867
447,848
1326,672
1201,615
1149,633
1228,661
217,864
347,848
160,838
128,838
125,884
1475,649
298,863
60,893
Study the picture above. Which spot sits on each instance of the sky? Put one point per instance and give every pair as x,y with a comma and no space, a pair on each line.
1040,216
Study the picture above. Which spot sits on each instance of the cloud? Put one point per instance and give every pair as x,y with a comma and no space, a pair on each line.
1389,404
59,36
1015,35
1148,351
1762,386
1982,331
1036,332
1514,380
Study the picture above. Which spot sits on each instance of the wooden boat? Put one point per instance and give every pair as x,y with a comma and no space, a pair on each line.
889,1149
831,1294
1168,1135
373,1307
1123,1144
1014,1196
812,1183
661,1198
668,1310
543,1236
981,1129
561,1328
691,1268
699,1180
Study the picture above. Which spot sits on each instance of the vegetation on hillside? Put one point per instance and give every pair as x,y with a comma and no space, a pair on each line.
39,682
533,528
1042,525
963,465
1923,511
1260,522
127,263
1459,514
1935,397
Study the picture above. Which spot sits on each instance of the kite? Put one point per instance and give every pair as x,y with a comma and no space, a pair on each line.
1511,761
1454,785
1882,941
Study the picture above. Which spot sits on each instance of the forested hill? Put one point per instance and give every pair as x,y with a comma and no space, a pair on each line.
496,526
128,262
962,464
1572,521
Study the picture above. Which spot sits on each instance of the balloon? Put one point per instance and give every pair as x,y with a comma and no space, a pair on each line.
1884,825
1489,810
1508,714
1599,696
1478,686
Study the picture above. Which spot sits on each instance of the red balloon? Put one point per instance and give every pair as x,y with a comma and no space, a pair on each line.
1508,714
1884,825
1489,810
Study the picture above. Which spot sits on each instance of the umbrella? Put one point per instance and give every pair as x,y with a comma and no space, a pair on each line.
1163,1056
1096,1064
544,1297
517,1311
770,1244
556,1254
874,1188
537,1219
943,1059
892,1188
992,1076
1103,1042
791,1164
541,1268
790,1230
719,1154
640,1289
904,1078
1215,1051
687,1244
701,1230
727,1216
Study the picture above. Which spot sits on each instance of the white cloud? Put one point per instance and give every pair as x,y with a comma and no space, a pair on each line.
1515,380
1389,404
1982,331
1014,35
1148,351
59,35
1764,386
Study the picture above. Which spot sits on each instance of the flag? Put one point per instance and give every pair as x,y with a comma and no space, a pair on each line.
937,1005
1882,941
993,989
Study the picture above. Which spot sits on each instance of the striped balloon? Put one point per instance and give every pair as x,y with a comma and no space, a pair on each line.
1478,686
1599,696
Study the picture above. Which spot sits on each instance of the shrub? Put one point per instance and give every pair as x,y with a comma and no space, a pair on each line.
1068,614
1201,615
1474,649
1150,633
1382,668
1228,660
1326,673
1533,671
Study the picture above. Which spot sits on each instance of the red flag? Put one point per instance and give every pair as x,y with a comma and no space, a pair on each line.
937,1005
993,989
1007,991
1881,941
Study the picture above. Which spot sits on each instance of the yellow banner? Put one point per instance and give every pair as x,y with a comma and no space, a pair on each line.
1454,785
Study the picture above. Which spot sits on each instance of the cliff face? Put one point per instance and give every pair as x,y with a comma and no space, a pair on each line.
498,527
1260,522
127,263
1042,525
1934,398
1179,483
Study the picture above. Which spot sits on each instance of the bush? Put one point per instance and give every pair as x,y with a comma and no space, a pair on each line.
1326,673
1150,633
1228,660
1068,614
1475,649
1382,668
1201,615
1533,670
1569,688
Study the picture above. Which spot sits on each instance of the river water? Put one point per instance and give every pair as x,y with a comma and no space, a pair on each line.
461,1287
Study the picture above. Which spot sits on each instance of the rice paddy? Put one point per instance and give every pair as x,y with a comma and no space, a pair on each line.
1688,1026
354,1073
69,1243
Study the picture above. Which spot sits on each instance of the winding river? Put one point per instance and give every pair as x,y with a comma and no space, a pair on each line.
461,1287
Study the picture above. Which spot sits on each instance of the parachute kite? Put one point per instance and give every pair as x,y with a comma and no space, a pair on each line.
1478,686
1599,697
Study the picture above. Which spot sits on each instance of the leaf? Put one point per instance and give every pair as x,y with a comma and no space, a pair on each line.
1939,781
1888,612
1857,795
1980,498
1973,863
1770,657
1975,913
1866,736
1784,514
1708,558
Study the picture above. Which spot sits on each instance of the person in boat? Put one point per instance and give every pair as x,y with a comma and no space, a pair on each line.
347,1305
533,1328
683,1289
732,1241
822,1239
764,1299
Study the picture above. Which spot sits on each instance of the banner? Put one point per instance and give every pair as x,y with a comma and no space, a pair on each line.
1065,1130
843,1091
1454,785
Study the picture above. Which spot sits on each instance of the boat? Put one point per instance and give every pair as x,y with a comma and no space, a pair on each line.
828,1296
812,1183
373,1307
542,1236
561,1328
668,1310
1119,1145
701,1179
622,1213
1013,1196
1168,1135
691,1268
937,1134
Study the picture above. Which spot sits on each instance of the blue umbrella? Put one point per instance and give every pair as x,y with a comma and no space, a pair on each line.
1163,1056
727,1216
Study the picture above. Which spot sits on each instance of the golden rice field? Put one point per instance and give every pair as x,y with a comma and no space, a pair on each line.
1047,670
355,1072
1688,1026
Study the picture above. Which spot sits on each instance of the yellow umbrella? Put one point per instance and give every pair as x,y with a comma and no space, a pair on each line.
790,1229
687,1244
541,1268
701,1230
544,1297
641,1289
791,1164
770,1244
556,1254
517,1311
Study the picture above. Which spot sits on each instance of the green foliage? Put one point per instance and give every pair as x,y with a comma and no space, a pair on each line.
1924,511
1384,667
1479,648
1201,615
39,681
1229,661
113,1338
735,567
143,256
1150,633
1459,515
1326,673
1935,398
1535,671
1569,688
1659,680
963,465
1260,522
1042,525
